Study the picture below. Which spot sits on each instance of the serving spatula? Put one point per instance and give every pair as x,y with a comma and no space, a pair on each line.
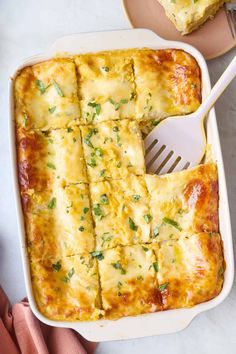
179,142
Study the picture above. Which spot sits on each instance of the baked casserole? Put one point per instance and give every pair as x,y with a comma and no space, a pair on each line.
105,239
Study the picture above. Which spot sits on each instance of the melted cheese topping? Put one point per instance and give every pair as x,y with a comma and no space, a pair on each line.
46,95
113,150
46,158
106,86
188,15
121,212
190,269
67,289
59,222
128,281
184,201
167,83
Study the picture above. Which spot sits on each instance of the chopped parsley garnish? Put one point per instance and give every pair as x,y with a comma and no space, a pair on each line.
124,101
25,120
104,199
155,231
156,266
69,275
136,197
51,165
156,122
85,210
139,277
102,173
52,109
106,237
118,165
115,129
50,141
194,86
173,1
145,249
172,223
117,104
58,89
105,68
97,254
41,86
56,266
132,225
87,137
96,107
163,287
52,204
69,130
132,96
81,228
98,211
117,265
147,218
92,162
98,152
74,139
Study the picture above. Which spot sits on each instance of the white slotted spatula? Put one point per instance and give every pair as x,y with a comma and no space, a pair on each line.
180,142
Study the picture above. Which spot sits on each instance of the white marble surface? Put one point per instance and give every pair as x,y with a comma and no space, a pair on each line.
30,26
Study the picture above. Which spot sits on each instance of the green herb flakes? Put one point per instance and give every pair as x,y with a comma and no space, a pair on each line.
58,89
172,223
155,231
52,109
105,68
97,254
136,197
51,165
97,211
147,218
81,228
52,204
118,266
163,287
85,210
69,275
155,266
41,86
132,225
56,266
104,199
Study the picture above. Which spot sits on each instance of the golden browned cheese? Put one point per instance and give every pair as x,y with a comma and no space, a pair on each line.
46,95
184,201
190,269
113,150
128,281
67,288
105,240
188,15
168,83
121,212
44,157
59,222
106,86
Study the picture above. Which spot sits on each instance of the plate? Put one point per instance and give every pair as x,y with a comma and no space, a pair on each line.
212,39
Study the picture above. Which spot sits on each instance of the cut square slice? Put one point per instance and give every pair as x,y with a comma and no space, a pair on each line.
121,212
190,269
113,150
188,15
168,82
67,289
46,95
128,281
186,200
106,86
49,156
59,223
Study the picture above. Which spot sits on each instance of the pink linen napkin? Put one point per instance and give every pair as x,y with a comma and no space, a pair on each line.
22,333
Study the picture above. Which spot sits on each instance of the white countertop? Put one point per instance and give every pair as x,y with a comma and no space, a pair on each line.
28,27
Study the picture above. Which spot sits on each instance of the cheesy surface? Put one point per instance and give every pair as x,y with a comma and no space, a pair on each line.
67,289
188,15
190,269
59,222
46,95
128,281
104,239
106,86
184,201
44,157
113,150
121,212
167,83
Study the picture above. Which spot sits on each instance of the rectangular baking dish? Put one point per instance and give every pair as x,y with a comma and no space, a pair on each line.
147,324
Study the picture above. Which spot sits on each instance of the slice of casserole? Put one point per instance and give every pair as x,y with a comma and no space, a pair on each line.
46,157
188,15
121,212
106,86
184,201
168,83
46,95
67,288
59,222
113,150
128,281
190,269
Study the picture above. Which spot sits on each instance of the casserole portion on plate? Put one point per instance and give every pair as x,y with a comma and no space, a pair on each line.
104,239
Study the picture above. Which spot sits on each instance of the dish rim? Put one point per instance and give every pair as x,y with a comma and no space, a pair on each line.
146,324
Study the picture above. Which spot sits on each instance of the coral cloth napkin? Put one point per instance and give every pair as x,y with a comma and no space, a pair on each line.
22,333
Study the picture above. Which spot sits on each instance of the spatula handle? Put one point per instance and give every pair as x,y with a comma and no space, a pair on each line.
218,88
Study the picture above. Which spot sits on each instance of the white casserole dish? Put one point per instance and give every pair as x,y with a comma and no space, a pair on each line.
147,324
